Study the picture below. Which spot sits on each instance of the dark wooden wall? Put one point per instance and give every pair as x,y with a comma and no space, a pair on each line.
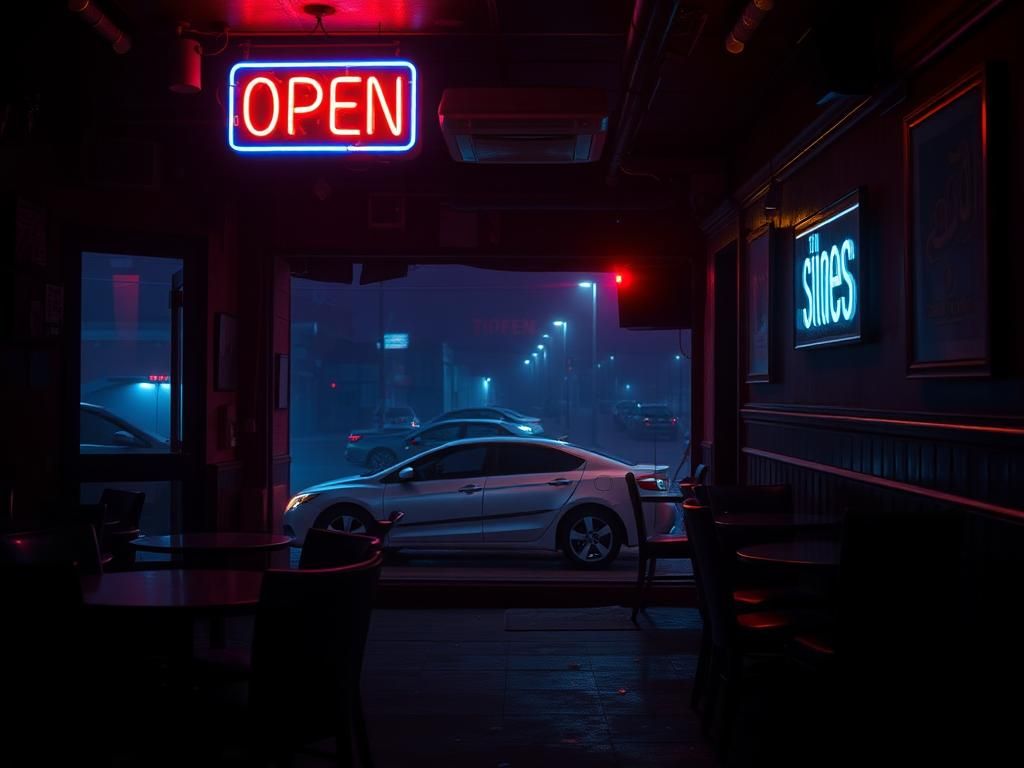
847,426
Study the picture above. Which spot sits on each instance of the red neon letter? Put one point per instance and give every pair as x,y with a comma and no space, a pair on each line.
246,112
336,105
372,83
294,110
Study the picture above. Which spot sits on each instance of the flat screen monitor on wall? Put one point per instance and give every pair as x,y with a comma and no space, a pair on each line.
827,275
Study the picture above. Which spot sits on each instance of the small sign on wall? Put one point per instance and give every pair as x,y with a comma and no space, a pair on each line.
827,275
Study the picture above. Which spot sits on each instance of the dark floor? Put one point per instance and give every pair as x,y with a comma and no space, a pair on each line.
495,688
456,688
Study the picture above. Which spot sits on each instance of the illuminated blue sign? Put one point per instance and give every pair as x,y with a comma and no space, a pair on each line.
826,275
396,341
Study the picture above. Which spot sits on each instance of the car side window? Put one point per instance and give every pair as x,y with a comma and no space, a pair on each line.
465,461
484,430
95,430
535,459
441,434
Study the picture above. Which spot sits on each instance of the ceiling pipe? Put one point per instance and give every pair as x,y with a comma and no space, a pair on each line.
753,13
649,33
87,11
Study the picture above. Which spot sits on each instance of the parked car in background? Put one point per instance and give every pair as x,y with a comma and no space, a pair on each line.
623,411
654,420
102,431
383,448
397,417
492,493
492,412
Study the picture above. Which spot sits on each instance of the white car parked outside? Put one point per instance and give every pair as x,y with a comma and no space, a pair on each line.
492,493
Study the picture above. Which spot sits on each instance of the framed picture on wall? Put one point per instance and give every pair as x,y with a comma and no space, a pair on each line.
947,217
757,297
225,344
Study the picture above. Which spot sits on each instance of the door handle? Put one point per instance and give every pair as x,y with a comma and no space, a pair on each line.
559,481
470,489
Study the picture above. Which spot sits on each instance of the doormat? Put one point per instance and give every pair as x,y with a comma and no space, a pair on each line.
605,618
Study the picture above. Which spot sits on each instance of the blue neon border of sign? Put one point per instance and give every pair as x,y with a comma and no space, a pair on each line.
847,203
324,148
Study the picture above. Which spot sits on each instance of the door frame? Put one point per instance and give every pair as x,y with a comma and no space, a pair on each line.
184,467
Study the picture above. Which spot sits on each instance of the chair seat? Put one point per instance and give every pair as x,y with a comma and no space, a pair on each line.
775,596
765,621
668,545
818,644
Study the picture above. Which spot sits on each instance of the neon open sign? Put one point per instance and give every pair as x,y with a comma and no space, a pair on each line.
827,275
326,106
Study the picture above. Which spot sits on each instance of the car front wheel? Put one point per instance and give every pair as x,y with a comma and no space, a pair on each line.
346,518
591,537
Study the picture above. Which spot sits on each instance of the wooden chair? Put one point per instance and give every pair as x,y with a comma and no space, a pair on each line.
124,515
733,635
651,548
306,659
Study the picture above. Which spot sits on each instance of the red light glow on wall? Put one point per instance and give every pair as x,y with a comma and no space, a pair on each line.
337,106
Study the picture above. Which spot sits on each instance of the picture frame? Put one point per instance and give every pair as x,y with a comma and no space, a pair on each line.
947,263
281,378
757,297
226,353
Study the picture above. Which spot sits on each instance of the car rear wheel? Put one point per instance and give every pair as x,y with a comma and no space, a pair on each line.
591,537
346,518
381,458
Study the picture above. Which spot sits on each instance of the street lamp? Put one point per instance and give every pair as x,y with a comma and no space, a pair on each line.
487,390
564,325
592,285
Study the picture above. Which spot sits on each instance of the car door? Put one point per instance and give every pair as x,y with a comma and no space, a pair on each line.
443,500
526,490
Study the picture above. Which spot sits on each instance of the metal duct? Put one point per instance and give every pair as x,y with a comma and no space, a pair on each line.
98,20
749,21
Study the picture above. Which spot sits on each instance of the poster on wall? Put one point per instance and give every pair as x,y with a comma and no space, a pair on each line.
757,304
827,275
945,150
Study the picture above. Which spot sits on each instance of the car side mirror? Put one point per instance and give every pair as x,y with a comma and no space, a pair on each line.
406,473
127,440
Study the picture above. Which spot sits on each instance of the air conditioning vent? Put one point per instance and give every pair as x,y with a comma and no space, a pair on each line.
524,125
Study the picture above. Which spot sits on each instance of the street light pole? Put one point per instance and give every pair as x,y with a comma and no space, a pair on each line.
564,325
592,285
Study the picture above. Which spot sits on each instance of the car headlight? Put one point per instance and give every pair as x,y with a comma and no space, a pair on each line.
302,498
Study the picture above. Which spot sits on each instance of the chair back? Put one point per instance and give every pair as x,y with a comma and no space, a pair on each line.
73,545
329,549
638,509
307,649
709,571
769,499
124,508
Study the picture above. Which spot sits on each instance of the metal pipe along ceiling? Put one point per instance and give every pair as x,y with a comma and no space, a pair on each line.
748,21
650,29
87,11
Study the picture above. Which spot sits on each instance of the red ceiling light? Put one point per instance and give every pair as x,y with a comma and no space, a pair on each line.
623,279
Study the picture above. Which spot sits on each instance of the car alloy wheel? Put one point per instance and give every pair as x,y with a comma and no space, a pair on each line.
344,517
591,538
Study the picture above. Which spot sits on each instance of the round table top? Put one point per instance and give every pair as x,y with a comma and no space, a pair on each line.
801,552
215,541
770,520
195,590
